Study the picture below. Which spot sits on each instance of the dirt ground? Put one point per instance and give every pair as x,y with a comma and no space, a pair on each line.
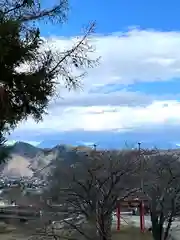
131,234
8,232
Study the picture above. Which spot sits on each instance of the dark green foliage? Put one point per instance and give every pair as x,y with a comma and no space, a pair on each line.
28,73
23,93
4,150
28,70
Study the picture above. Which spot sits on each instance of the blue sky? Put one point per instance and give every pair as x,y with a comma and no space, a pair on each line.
119,15
134,92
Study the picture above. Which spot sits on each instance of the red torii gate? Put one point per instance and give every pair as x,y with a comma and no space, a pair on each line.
133,203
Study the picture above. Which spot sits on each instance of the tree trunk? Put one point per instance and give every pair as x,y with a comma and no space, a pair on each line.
157,227
108,227
158,232
91,227
105,224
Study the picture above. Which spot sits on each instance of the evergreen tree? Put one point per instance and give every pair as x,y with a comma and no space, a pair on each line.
28,70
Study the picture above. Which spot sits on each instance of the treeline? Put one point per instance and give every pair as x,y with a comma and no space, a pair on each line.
95,182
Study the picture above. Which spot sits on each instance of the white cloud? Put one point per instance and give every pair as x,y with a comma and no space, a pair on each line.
137,55
99,118
143,55
119,98
125,59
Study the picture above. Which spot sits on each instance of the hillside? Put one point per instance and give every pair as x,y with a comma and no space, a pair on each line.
27,160
25,149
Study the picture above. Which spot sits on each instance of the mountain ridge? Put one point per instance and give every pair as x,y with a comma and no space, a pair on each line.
26,159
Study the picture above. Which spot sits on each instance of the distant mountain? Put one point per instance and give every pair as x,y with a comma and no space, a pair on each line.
161,137
27,160
20,161
25,149
110,141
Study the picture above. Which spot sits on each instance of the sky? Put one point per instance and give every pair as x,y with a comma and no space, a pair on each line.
135,90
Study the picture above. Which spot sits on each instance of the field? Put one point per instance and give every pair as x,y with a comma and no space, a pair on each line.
126,233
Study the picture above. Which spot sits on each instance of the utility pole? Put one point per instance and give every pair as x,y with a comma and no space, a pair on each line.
141,206
141,167
95,146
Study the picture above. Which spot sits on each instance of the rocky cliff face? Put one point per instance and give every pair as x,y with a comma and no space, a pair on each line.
27,160
17,166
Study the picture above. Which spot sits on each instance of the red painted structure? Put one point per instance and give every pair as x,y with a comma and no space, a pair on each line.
142,204
142,220
118,214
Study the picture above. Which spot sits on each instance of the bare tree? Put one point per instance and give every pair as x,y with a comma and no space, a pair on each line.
163,191
91,188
